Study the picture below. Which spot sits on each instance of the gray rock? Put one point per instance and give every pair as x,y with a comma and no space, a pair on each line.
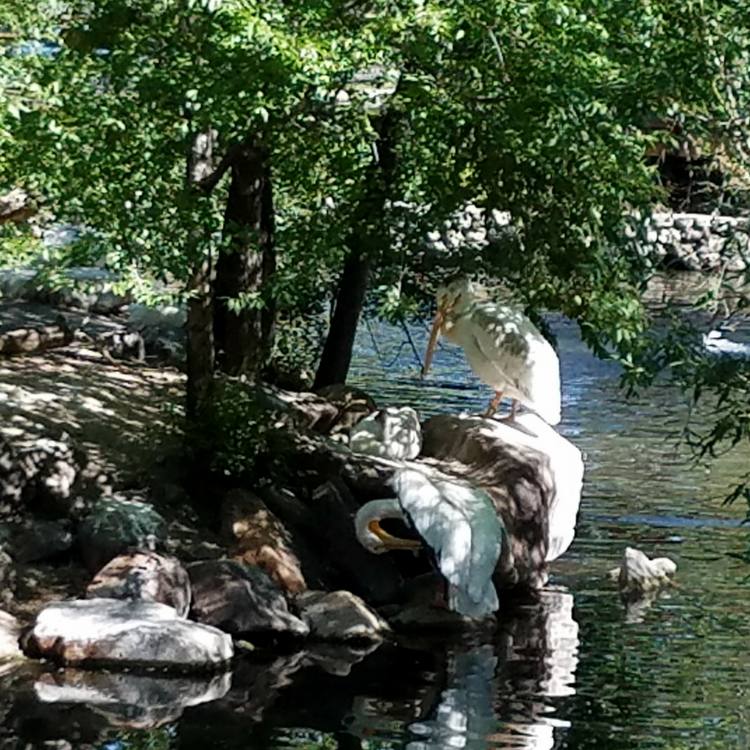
116,524
106,631
128,700
340,616
40,476
240,599
7,577
41,540
10,632
146,576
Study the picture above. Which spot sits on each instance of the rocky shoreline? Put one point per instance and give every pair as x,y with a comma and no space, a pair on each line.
100,570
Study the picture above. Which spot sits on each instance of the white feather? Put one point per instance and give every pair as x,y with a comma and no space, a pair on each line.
463,529
505,350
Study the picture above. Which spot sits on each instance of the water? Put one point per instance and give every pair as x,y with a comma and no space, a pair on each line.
576,670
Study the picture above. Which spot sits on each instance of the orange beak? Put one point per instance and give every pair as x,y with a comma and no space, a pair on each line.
432,343
390,541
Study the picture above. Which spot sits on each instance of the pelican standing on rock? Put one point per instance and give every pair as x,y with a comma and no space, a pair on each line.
458,523
503,347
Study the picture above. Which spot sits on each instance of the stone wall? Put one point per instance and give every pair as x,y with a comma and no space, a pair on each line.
676,241
696,242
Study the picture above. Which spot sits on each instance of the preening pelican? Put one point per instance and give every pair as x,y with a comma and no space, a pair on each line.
459,524
503,347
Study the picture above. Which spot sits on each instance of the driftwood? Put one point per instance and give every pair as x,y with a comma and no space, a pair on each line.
39,339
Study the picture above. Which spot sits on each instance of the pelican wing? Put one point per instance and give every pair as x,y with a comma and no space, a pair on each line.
462,528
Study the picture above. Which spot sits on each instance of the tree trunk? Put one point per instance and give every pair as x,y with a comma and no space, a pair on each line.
337,351
200,340
366,242
243,337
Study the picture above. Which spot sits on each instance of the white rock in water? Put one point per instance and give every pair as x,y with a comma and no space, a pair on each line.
126,632
393,432
638,573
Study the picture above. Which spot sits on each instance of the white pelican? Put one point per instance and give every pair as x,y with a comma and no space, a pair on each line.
502,346
458,523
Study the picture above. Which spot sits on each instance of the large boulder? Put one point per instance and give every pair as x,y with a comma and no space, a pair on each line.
241,599
258,537
133,633
146,576
533,475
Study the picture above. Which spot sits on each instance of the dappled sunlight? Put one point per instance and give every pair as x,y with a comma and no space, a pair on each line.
115,411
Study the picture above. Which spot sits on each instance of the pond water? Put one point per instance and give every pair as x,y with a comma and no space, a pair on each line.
575,670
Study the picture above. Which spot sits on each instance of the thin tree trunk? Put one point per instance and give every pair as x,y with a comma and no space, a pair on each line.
200,341
366,244
243,338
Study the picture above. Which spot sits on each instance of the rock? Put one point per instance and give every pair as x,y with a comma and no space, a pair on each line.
7,577
144,576
390,433
39,339
258,537
637,574
340,616
128,700
116,524
134,633
375,579
40,476
420,617
352,404
41,540
10,632
123,345
241,600
338,659
533,475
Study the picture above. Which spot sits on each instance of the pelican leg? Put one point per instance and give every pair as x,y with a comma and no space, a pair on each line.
512,416
492,408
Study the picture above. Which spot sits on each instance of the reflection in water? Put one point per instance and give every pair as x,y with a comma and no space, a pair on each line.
479,703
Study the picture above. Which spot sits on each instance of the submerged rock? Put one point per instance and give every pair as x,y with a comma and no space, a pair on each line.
241,599
105,631
340,616
145,576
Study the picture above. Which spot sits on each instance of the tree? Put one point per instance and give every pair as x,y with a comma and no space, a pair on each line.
375,128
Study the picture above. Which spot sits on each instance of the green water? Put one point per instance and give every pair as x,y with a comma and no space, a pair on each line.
575,670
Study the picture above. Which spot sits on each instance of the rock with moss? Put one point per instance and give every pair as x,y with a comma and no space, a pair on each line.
117,524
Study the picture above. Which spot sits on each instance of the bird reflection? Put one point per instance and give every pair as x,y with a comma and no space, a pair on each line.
493,692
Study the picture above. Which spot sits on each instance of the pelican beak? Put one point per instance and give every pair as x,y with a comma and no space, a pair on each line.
390,541
432,343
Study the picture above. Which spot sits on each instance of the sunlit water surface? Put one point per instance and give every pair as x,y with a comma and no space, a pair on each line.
577,670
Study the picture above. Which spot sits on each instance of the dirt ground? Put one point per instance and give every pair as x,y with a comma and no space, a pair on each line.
122,413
